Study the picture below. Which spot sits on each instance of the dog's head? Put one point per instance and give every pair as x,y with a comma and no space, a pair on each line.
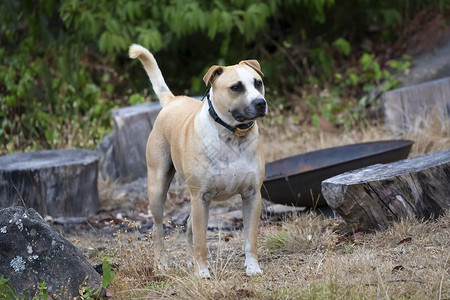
238,91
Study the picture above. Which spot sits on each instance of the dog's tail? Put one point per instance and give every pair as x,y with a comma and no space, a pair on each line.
154,73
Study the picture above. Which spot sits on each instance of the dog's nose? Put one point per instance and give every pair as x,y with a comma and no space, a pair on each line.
260,105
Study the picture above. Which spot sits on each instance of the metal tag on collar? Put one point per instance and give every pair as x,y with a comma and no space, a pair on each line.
243,132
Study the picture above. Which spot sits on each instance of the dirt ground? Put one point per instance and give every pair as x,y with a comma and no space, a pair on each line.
304,255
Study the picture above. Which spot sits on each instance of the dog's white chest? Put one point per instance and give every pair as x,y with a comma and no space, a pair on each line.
231,174
229,163
234,173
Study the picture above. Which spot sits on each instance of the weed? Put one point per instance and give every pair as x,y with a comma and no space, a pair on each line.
157,285
43,291
6,289
277,241
329,290
349,247
88,293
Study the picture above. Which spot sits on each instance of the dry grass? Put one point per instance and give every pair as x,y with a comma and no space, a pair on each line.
306,257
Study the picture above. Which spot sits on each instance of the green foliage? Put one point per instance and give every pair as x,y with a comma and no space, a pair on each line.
43,291
49,93
328,290
342,45
157,285
136,99
333,106
63,63
277,241
6,289
108,273
107,278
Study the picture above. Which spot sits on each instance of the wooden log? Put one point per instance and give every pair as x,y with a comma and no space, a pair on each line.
407,107
376,196
53,182
122,153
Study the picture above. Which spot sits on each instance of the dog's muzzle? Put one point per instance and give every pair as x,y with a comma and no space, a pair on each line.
257,109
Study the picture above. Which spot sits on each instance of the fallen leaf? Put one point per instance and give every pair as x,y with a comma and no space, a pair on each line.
398,268
228,237
356,236
405,240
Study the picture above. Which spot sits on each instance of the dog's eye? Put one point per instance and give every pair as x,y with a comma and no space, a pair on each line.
238,87
258,84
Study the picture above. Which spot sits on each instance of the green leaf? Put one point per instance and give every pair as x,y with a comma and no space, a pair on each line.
136,99
108,273
342,45
315,120
367,61
6,289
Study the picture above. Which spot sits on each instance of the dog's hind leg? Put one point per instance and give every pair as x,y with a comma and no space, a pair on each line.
160,173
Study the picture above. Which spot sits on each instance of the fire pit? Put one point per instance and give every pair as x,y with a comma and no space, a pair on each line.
296,180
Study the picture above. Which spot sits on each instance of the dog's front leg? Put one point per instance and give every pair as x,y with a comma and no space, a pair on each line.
196,234
251,210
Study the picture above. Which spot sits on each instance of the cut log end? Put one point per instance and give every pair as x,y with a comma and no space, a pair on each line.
54,182
378,195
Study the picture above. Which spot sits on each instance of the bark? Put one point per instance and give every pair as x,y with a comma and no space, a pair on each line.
411,107
122,152
378,195
53,182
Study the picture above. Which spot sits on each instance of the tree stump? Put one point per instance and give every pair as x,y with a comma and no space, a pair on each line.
378,195
53,182
122,152
407,107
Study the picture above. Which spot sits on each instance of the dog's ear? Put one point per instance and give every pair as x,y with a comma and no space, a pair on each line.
254,64
212,74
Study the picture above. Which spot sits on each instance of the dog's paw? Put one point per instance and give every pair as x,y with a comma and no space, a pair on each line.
203,273
190,263
253,269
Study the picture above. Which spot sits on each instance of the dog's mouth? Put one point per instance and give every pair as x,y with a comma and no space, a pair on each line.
243,118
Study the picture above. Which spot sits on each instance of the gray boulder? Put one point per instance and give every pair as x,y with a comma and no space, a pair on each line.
32,252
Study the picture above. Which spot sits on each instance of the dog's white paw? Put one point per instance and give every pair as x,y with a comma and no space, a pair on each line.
190,263
252,266
253,269
203,273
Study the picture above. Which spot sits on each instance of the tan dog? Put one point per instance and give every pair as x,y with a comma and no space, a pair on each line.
214,146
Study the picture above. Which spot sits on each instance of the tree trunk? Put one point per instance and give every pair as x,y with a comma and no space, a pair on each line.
411,107
122,152
53,182
378,195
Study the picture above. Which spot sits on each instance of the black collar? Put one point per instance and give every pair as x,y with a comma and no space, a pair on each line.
240,130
